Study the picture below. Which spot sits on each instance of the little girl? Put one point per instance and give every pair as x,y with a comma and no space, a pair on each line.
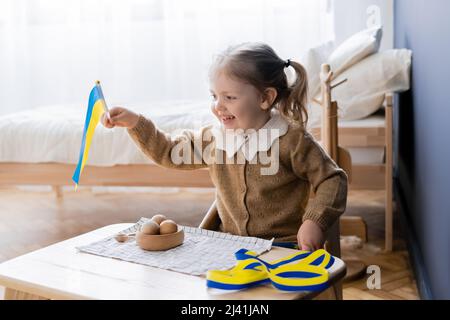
251,95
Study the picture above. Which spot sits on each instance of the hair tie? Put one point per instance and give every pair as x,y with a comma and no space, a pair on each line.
288,63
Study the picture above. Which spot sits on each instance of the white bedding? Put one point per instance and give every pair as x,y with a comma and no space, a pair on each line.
53,133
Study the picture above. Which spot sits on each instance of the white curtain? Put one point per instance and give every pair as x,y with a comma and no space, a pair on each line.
52,51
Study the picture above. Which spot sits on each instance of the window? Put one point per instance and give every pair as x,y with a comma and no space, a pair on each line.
142,50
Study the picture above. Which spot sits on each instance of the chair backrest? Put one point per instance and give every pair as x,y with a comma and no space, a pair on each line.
330,143
329,131
211,220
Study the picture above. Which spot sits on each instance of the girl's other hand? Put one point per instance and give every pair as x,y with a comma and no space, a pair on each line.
120,117
310,236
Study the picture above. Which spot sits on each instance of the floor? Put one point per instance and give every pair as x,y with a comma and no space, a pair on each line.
33,219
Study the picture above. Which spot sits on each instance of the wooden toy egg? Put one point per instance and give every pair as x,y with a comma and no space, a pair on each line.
150,227
168,226
159,218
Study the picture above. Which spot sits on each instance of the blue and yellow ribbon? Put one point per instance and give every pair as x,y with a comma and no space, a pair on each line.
302,271
96,107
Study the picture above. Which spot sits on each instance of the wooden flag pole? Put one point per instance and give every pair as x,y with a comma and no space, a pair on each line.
105,106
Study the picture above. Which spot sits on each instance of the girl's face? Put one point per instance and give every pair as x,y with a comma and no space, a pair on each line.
236,104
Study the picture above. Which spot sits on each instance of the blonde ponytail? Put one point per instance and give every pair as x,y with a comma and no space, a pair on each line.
293,106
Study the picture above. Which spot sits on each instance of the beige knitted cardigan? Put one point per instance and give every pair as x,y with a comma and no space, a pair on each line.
248,202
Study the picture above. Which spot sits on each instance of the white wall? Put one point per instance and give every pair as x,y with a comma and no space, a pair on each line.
350,16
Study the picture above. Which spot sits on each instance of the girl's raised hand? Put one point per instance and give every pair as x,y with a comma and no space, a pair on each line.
120,117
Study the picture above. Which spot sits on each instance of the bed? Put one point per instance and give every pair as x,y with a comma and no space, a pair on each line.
40,146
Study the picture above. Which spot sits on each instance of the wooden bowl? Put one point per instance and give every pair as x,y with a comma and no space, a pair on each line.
159,242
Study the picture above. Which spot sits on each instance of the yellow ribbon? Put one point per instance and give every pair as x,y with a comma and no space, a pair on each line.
302,271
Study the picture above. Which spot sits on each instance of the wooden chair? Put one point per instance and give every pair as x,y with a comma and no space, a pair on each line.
330,143
341,156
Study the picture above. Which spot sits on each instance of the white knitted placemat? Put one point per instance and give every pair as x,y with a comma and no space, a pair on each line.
202,250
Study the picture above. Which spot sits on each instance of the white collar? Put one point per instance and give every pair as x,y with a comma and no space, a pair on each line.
250,141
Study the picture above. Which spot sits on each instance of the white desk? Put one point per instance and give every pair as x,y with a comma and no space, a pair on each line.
59,271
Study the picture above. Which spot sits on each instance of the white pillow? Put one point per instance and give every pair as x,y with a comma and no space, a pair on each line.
312,60
368,82
355,48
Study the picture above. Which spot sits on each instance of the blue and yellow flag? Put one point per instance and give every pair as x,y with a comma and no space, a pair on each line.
96,107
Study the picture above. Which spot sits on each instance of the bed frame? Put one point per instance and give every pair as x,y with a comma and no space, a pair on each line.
364,176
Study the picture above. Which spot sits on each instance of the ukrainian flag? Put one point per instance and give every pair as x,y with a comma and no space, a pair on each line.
96,107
